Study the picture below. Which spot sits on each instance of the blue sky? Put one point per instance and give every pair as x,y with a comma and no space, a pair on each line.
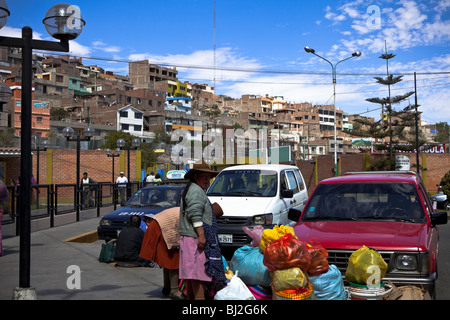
259,45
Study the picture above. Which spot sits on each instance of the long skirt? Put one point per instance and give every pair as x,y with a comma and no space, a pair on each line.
192,260
154,248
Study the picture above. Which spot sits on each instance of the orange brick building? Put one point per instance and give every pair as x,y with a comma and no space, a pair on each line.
40,123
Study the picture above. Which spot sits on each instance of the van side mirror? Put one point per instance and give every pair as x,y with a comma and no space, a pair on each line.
294,214
439,217
287,193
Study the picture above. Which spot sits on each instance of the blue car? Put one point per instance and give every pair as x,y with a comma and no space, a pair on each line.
149,200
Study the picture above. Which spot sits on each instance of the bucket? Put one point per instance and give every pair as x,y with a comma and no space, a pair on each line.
363,292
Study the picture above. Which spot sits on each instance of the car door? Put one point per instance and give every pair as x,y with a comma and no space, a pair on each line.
303,192
433,232
288,181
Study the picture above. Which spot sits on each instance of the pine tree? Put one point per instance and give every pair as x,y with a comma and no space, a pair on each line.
391,127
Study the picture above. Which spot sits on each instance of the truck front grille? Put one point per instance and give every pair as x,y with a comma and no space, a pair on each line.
340,258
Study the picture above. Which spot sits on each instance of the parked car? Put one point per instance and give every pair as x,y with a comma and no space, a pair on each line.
148,200
441,201
255,195
388,211
440,187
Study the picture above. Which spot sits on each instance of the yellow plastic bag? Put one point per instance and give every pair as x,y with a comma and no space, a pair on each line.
366,266
270,235
286,279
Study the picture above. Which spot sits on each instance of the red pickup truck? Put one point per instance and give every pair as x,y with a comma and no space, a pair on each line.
388,211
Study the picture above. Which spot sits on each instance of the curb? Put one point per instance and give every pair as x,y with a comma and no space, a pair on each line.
87,237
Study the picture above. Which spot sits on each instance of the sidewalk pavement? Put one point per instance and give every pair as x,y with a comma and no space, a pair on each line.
55,250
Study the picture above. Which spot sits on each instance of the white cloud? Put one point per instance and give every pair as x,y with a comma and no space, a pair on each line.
75,48
17,33
78,49
409,25
101,46
200,64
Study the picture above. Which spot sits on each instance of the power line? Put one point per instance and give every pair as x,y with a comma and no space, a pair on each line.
246,70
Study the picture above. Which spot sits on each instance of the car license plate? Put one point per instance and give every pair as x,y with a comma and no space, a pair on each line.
225,238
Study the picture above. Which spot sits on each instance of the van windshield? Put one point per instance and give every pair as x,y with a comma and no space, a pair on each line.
245,183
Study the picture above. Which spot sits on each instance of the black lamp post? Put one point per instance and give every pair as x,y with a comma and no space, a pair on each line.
134,145
63,22
333,70
113,155
68,132
45,144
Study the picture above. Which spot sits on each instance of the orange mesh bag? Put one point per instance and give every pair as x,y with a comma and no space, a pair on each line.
287,252
304,293
319,258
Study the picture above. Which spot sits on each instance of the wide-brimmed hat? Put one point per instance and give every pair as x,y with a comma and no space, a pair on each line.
200,167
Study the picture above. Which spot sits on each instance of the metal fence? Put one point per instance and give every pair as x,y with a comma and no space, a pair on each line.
50,200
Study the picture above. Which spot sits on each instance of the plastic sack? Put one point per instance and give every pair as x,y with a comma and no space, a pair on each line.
365,266
329,285
235,290
287,252
319,258
291,278
255,234
270,235
249,262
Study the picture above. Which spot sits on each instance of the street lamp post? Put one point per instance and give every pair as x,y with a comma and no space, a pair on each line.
135,143
63,22
68,132
45,144
333,68
113,155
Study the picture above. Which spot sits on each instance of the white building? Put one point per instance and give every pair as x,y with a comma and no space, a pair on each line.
131,120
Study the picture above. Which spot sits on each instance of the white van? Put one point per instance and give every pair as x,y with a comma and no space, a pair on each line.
256,195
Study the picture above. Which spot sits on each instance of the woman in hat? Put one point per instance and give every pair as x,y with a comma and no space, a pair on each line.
200,256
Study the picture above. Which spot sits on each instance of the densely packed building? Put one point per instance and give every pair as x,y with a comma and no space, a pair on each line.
151,97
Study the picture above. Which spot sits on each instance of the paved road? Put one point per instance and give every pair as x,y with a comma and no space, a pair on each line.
443,282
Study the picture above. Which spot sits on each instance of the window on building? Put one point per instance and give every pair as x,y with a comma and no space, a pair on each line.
123,114
125,126
137,127
138,115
